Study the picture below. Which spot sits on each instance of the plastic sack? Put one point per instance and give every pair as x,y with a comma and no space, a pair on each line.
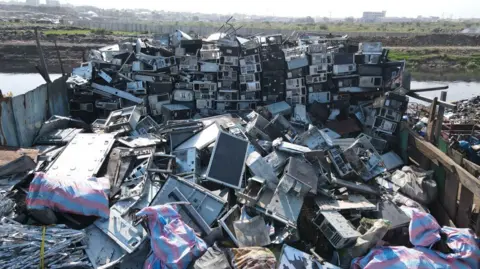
416,184
464,246
252,258
174,244
85,196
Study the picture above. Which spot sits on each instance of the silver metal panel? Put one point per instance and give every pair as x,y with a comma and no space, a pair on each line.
202,139
113,91
292,258
105,76
140,141
208,205
353,201
101,249
83,156
285,207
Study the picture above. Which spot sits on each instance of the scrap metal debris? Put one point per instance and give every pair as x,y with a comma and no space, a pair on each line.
242,146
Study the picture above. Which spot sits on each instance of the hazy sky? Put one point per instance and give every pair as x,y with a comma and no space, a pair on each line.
300,8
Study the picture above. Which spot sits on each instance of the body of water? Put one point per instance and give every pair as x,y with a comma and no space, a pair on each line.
458,90
22,83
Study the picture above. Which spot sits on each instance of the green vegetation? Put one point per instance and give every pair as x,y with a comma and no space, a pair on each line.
407,27
88,32
307,25
448,58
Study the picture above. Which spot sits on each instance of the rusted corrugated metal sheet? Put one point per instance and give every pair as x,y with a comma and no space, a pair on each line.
57,97
8,130
30,112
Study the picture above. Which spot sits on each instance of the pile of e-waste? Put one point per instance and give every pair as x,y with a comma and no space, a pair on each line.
152,172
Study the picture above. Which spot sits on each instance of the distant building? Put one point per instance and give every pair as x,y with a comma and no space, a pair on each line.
32,2
369,16
53,3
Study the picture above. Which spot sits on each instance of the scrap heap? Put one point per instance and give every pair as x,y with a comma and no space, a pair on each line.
305,156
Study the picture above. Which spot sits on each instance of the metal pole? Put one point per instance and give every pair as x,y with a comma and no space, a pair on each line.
441,112
430,89
428,100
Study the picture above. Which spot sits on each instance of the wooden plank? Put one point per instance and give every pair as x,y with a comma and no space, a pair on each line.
464,208
477,226
440,178
450,194
430,151
471,167
456,155
437,210
440,116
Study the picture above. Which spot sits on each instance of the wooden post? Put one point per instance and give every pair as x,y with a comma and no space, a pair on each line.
58,56
441,112
43,64
431,120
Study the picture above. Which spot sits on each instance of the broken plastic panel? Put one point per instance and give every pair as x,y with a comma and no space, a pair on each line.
161,163
251,195
252,232
208,205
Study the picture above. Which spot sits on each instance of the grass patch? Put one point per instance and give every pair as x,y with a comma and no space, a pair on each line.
429,56
88,32
66,32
